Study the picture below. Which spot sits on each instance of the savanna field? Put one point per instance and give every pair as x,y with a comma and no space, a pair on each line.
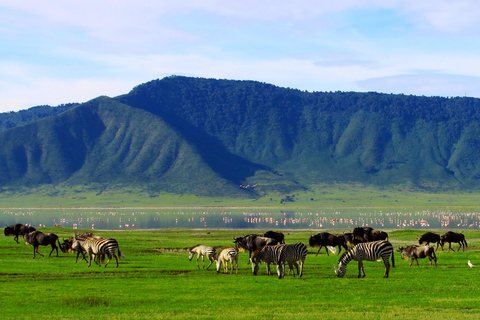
156,280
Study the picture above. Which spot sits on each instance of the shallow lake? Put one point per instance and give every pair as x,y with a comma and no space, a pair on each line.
343,219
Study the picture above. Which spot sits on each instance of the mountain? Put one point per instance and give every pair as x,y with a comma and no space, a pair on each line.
14,119
208,136
105,143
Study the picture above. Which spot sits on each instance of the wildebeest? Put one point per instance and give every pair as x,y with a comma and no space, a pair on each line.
349,238
278,236
17,230
428,238
253,242
364,233
38,238
324,239
415,252
379,235
450,237
66,247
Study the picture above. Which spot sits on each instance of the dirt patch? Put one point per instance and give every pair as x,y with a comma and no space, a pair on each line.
175,272
164,250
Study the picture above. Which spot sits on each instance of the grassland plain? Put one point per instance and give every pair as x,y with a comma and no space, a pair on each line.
156,281
325,195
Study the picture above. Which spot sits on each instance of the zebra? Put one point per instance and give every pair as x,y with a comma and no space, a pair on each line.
268,254
202,251
292,253
96,247
67,245
369,251
229,254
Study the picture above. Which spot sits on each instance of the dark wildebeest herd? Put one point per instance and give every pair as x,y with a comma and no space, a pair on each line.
362,244
94,246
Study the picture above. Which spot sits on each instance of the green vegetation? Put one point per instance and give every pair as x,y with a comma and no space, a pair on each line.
320,196
207,137
12,119
157,281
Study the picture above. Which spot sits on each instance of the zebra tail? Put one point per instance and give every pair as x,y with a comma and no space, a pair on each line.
393,259
120,254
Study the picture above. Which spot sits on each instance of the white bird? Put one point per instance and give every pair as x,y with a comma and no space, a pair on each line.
336,270
332,249
470,264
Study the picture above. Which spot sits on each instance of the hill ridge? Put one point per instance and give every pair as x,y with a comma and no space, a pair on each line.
208,136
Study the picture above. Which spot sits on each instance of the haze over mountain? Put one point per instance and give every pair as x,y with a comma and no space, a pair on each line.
207,137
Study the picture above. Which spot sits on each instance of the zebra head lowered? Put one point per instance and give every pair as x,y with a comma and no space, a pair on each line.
342,269
367,251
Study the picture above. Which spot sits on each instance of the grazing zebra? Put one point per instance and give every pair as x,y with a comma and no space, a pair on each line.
96,247
292,253
226,255
203,251
369,251
268,254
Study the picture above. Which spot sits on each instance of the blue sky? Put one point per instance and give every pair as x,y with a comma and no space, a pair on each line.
56,52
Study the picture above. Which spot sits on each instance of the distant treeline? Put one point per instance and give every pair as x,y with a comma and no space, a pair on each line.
13,119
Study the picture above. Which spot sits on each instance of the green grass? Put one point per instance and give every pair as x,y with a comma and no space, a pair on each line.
156,281
338,195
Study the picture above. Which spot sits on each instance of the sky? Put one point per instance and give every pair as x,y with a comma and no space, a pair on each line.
55,52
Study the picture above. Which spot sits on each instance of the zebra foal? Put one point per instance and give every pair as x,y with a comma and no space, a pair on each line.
226,255
368,251
202,251
96,247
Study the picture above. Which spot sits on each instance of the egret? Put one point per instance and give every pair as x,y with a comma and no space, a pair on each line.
470,264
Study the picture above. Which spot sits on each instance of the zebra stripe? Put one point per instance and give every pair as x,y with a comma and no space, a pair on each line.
292,253
368,251
268,254
203,251
95,247
226,255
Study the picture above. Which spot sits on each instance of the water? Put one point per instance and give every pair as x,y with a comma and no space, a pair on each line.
343,219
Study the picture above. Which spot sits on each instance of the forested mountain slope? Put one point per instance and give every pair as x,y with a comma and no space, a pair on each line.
206,136
105,143
14,119
337,136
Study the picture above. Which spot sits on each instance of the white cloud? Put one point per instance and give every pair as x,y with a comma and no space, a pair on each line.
51,91
443,15
444,85
60,52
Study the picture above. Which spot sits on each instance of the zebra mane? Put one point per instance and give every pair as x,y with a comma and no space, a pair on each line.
344,254
190,249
